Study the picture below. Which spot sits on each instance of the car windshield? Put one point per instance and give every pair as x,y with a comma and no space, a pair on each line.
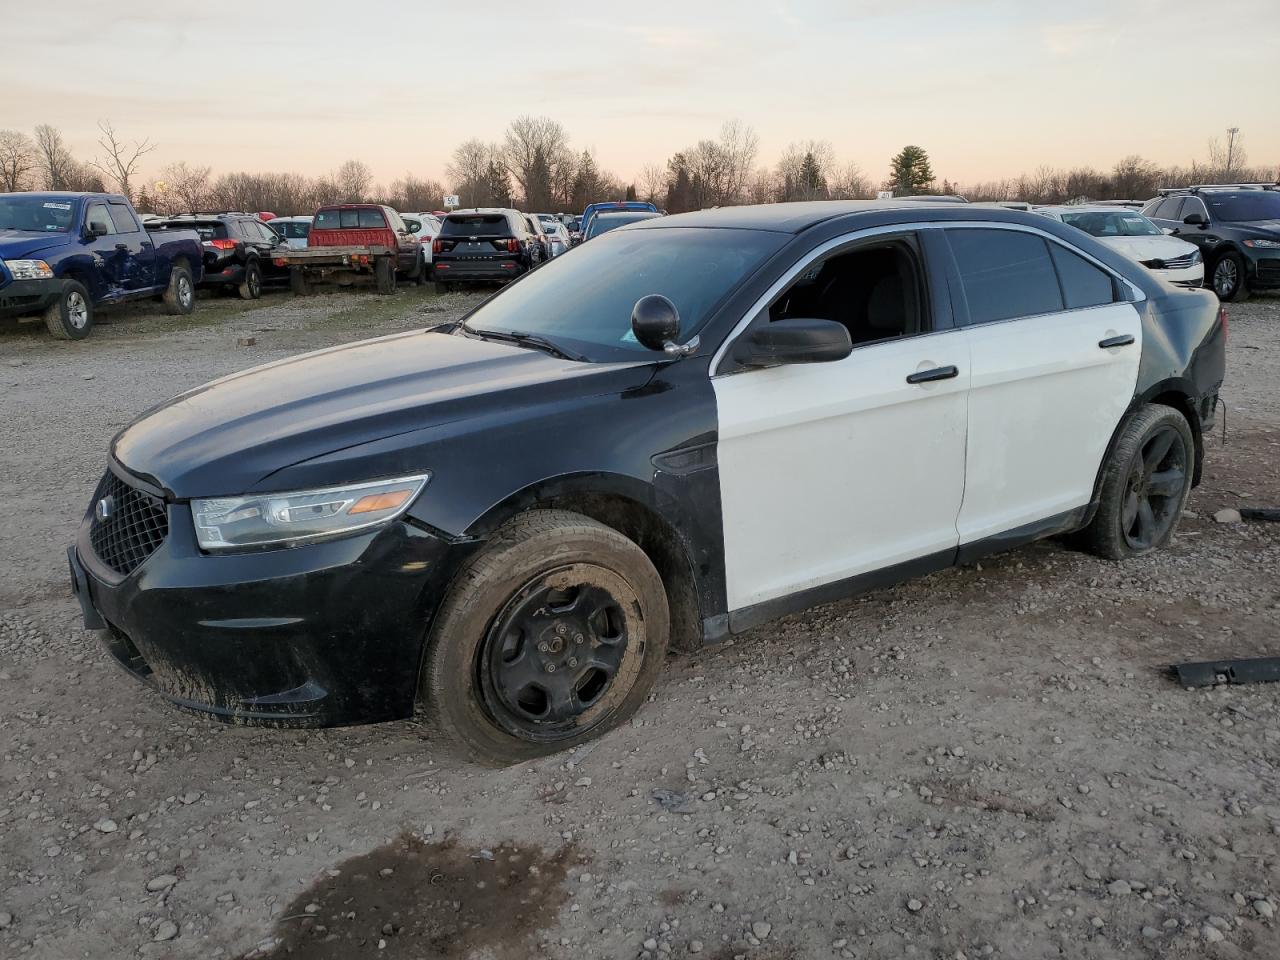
1245,206
1120,223
604,222
583,299
37,214
293,229
476,225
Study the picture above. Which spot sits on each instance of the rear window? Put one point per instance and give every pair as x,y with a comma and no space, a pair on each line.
350,220
1005,273
478,225
208,230
291,231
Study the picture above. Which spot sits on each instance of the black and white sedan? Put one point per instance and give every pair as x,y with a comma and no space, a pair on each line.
669,435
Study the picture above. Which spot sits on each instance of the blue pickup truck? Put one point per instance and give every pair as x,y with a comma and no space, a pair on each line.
62,255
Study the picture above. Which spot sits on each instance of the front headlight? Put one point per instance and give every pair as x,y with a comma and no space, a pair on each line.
1262,244
1195,256
226,523
29,269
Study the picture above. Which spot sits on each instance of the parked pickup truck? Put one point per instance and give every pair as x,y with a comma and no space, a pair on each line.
351,243
64,255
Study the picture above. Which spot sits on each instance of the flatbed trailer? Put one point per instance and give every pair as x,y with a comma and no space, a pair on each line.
346,266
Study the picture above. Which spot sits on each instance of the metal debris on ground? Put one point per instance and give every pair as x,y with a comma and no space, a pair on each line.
1213,672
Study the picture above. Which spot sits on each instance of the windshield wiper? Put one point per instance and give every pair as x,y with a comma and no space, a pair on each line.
527,340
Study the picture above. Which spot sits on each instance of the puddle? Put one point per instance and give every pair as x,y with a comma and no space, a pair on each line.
411,899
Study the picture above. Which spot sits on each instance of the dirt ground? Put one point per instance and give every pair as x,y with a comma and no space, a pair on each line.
986,762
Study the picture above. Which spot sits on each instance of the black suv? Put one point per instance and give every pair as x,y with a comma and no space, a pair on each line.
484,245
239,251
1237,228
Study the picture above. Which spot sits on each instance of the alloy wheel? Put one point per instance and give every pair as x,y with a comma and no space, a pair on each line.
77,310
1153,488
184,292
1225,277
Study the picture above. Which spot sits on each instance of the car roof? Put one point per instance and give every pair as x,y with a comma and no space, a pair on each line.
628,214
800,216
1085,208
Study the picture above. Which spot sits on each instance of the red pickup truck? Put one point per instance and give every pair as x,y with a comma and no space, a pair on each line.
353,242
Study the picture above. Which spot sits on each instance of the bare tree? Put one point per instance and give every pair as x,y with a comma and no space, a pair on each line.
1135,178
182,189
1226,159
805,171
412,194
353,180
472,173
763,187
17,160
739,144
652,183
53,158
121,161
850,183
532,149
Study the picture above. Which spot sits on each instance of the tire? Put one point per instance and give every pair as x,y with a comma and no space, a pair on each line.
251,287
298,282
1133,518
442,288
384,272
1228,278
70,317
491,688
180,296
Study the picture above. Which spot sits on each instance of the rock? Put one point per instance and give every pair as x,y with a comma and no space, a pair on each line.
1264,909
650,944
6,920
695,946
761,930
1150,932
167,930
1119,888
1211,933
246,341
914,905
1227,515
106,826
162,882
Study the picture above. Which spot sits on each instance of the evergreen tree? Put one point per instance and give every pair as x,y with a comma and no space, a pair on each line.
910,172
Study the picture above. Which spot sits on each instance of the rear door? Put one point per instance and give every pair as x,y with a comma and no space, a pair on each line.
1055,351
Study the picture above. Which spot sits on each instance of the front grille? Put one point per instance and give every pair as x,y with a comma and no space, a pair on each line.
135,526
1175,263
1269,269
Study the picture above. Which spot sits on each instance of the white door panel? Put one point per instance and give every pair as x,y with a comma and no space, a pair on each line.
1044,401
829,470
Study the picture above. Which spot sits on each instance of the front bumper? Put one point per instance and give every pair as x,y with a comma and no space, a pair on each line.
1192,276
22,297
322,634
1263,268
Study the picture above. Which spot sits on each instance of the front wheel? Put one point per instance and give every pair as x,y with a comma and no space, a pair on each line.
1228,278
1144,485
551,635
70,317
180,296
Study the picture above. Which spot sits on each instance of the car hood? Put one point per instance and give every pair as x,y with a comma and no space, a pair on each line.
1265,229
229,436
24,244
1150,248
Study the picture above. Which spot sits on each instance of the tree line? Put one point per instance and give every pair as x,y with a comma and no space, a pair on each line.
535,167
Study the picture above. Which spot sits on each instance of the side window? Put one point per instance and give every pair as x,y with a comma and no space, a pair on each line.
1193,205
875,291
370,220
123,219
1005,274
413,226
1083,284
98,214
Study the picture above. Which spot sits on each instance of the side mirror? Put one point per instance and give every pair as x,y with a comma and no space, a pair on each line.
97,228
1195,220
655,321
794,340
1167,230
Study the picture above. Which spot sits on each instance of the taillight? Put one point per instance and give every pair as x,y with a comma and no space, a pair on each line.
223,244
1222,319
513,246
437,246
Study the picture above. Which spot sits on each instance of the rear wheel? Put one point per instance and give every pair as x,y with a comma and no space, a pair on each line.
551,635
1228,278
251,286
1144,485
384,272
299,283
180,296
70,317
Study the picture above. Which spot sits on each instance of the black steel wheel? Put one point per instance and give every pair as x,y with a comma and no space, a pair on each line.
550,635
1145,484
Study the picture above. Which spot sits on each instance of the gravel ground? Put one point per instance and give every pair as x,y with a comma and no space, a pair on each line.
986,762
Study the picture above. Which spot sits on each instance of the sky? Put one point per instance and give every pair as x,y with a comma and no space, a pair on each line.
988,89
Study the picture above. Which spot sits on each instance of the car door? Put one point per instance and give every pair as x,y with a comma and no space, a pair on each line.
108,259
829,471
1054,346
136,253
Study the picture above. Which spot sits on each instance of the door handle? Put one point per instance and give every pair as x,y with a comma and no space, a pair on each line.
937,373
1121,341
122,246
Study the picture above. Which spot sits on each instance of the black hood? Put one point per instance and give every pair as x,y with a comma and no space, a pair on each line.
229,435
